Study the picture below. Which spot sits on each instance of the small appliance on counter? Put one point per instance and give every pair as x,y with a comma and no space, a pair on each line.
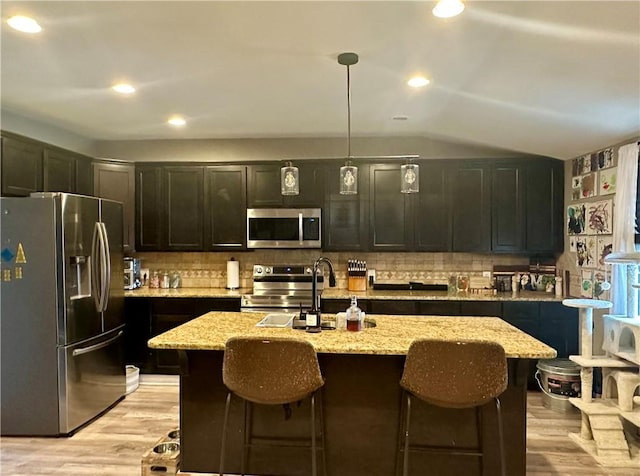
132,273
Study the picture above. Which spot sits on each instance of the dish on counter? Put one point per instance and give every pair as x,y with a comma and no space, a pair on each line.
278,319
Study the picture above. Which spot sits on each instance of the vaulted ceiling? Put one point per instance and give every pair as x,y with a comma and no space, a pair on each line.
551,78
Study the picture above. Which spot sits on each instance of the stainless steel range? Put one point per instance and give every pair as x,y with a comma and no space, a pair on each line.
282,288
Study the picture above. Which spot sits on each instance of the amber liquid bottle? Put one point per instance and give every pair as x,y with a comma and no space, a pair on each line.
354,316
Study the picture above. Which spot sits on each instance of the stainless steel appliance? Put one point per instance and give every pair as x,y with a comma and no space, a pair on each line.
281,288
284,228
132,273
62,356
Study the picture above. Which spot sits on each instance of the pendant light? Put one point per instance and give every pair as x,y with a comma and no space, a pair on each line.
410,178
289,183
348,172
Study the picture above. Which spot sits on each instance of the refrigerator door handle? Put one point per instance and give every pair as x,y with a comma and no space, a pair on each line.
96,285
106,267
92,348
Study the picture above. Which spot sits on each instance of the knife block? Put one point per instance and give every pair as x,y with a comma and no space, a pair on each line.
357,283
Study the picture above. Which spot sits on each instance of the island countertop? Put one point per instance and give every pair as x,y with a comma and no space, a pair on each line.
391,336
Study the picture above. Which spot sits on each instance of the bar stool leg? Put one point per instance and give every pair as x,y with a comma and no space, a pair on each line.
224,434
322,434
248,428
500,436
405,464
314,463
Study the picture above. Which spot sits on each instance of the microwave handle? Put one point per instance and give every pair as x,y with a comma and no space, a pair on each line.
300,228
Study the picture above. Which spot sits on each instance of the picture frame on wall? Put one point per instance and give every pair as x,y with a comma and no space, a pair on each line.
607,181
576,219
600,217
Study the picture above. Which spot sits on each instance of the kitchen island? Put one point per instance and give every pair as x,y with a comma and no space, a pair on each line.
361,396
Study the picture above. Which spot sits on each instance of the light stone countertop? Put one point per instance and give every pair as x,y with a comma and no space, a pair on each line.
338,293
391,336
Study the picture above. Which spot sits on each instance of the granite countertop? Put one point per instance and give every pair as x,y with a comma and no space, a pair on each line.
391,336
340,293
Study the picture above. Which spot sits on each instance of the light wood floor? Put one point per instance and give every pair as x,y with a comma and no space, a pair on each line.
113,445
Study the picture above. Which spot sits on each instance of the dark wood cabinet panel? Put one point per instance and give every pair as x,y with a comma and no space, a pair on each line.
480,308
470,195
84,175
432,216
390,213
149,317
184,204
59,171
438,308
116,181
545,206
226,210
149,210
559,328
21,167
397,307
344,217
507,206
263,186
333,306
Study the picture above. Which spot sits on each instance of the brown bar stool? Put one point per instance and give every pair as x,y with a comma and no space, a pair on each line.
452,374
271,371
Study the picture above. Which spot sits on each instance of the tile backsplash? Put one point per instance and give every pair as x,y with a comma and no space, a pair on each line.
210,269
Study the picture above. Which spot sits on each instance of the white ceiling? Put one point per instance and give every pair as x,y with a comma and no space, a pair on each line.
544,77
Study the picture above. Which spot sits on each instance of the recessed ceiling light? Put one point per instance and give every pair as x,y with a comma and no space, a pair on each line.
177,121
418,82
448,8
24,24
123,88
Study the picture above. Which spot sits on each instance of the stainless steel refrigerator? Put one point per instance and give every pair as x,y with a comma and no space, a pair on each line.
62,303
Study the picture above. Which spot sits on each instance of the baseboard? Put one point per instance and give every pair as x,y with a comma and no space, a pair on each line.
158,379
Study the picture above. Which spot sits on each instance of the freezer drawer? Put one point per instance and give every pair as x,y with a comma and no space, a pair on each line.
92,378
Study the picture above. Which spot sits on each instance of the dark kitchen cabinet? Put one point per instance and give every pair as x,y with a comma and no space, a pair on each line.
508,207
59,171
22,165
116,181
263,186
390,211
149,211
470,198
544,204
226,207
559,328
183,198
345,217
334,306
84,175
432,215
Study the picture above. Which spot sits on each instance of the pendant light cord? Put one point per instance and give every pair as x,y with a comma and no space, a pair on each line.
348,114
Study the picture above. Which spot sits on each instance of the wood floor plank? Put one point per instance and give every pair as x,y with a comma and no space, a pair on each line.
113,445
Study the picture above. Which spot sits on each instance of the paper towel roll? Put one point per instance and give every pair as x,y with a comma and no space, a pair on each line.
233,274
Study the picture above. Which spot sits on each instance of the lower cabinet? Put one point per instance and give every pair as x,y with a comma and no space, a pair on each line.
149,317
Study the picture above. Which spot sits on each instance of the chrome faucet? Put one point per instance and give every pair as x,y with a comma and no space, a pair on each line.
315,299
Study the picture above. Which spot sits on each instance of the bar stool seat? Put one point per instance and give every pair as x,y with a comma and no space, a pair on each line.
452,374
271,371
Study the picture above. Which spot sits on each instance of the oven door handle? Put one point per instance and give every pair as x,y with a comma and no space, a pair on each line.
300,228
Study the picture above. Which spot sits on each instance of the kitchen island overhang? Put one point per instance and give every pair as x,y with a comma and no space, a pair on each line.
361,397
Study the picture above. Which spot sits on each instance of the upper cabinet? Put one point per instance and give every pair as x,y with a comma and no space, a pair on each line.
263,186
345,217
390,211
21,166
116,181
470,199
190,207
527,206
225,207
32,166
432,210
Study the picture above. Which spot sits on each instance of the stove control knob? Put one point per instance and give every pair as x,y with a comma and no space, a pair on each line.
257,269
307,271
268,270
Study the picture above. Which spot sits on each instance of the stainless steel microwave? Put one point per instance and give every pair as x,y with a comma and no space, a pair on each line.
284,228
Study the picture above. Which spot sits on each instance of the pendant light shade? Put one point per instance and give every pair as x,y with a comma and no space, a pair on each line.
348,172
410,178
348,179
289,180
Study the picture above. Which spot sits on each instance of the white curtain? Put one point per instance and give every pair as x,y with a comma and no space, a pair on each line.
624,223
